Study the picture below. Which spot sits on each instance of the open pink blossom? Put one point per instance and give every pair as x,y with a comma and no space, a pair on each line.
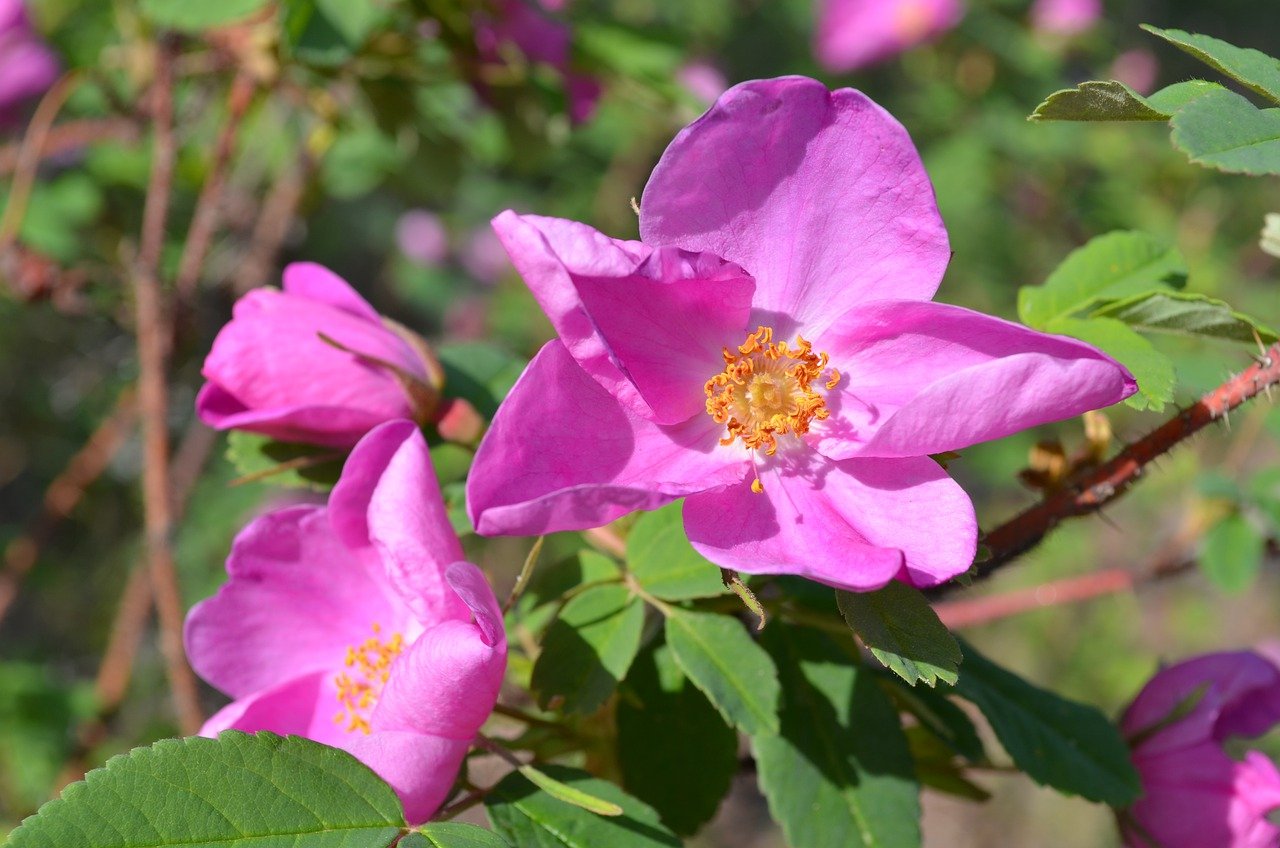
769,352
1194,795
852,34
1065,17
27,66
271,370
359,625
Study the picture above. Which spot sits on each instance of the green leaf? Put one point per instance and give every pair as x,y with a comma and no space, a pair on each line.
723,661
660,557
1110,266
530,818
258,790
262,459
1232,553
1247,66
940,716
480,373
839,774
1151,368
1172,98
588,649
1115,101
937,768
1264,492
1225,131
674,749
901,629
1187,314
569,794
1060,743
452,835
187,16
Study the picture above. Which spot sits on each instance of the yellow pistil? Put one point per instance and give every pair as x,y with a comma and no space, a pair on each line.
358,691
765,391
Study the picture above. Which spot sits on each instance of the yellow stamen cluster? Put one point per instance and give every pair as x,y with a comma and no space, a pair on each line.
766,391
358,691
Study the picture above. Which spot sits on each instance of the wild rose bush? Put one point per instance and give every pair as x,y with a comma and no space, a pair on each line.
483,507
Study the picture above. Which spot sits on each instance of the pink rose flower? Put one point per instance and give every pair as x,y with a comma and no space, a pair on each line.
703,80
1065,17
271,372
27,66
1194,795
422,237
769,353
852,34
359,625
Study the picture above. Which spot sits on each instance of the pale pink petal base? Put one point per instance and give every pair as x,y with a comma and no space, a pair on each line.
421,769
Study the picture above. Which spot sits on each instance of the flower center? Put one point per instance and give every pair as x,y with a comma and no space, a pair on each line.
358,690
765,390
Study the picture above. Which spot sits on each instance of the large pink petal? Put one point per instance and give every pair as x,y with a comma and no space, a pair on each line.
421,769
318,283
855,524
564,454
923,378
388,503
1187,799
337,427
819,195
854,33
649,325
305,705
295,600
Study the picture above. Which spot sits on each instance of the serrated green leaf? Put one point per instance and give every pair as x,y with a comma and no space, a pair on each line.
660,557
1172,98
187,16
675,750
1247,66
1151,368
1097,101
1060,743
259,458
1225,131
530,818
723,661
452,835
1232,552
838,774
236,791
902,631
588,649
1115,265
1187,314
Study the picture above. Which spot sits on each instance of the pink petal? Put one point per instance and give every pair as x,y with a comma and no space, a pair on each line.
316,282
924,378
648,325
27,69
854,33
819,195
564,454
1186,800
855,524
301,706
421,769
337,427
295,600
389,501
474,590
1065,17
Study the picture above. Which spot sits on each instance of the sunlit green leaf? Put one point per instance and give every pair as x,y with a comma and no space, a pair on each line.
666,565
734,672
1247,66
588,649
899,626
1224,130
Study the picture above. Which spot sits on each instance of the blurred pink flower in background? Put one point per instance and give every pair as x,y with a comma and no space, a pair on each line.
1065,17
854,33
359,625
27,66
703,80
484,257
1138,68
422,237
1194,795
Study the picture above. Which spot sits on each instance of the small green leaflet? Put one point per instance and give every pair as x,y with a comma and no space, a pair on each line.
452,835
1186,314
734,672
187,16
1224,130
255,791
903,632
1114,101
1247,66
569,794
588,649
660,557
1232,553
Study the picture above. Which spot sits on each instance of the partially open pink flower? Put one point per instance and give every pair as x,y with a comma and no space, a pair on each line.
769,353
1065,17
1194,795
854,33
359,625
271,372
27,66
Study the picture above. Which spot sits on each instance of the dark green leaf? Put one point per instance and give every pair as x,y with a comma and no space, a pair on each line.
530,818
723,661
452,835
940,716
666,565
1225,131
1114,265
1151,368
1187,314
258,790
1060,743
1245,65
1232,553
675,750
479,373
839,774
262,459
937,768
189,16
901,629
588,649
